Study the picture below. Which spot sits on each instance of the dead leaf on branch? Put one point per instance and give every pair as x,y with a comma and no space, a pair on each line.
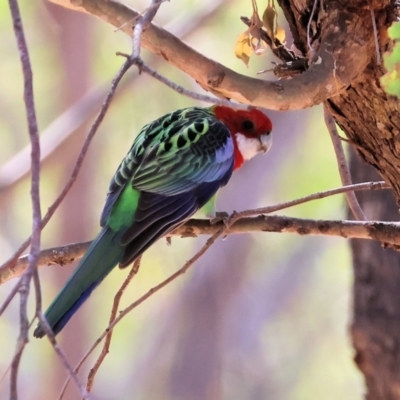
243,49
270,23
250,41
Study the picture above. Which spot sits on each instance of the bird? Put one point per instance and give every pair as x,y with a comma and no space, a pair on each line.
175,166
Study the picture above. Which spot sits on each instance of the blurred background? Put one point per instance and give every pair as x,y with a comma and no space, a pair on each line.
259,316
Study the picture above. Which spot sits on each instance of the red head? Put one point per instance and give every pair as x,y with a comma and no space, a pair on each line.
250,130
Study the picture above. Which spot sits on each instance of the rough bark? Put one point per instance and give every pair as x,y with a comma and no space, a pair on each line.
376,323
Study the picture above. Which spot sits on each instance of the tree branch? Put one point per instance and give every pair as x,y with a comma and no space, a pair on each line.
384,232
321,81
67,254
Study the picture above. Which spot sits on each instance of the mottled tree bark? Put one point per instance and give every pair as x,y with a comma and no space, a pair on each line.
376,323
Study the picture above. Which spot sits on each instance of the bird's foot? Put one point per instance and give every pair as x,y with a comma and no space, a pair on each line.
218,217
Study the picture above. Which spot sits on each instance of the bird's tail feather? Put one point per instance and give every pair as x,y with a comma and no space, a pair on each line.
103,255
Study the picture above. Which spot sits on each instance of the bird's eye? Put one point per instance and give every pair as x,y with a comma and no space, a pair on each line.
247,125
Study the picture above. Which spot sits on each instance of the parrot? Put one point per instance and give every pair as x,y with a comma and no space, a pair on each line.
175,166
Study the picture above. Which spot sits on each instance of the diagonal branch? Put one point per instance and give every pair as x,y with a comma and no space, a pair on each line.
106,347
321,81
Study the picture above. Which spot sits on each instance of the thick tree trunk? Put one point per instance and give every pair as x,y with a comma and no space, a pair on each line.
376,323
370,118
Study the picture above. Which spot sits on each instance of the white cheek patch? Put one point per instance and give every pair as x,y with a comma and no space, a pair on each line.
249,147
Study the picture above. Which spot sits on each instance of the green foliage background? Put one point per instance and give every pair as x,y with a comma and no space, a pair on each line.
282,307
391,60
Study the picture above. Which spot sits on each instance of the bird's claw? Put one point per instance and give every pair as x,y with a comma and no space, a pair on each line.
218,217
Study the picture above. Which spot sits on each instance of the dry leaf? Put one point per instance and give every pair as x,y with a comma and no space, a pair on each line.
280,33
270,22
269,19
250,41
243,47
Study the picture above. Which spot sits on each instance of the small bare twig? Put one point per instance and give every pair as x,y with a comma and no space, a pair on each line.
154,6
139,301
315,196
342,166
72,374
378,51
142,22
188,93
107,342
310,48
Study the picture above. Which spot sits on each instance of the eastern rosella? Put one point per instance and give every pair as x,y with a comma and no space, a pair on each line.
175,166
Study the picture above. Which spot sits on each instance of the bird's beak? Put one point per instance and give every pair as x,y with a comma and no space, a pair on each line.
265,142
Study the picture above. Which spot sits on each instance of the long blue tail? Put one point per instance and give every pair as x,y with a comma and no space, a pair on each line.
103,255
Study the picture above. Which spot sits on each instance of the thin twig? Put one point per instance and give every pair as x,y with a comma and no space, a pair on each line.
35,195
315,196
72,374
142,22
343,168
139,301
142,67
312,51
41,223
188,93
107,342
155,5
378,52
